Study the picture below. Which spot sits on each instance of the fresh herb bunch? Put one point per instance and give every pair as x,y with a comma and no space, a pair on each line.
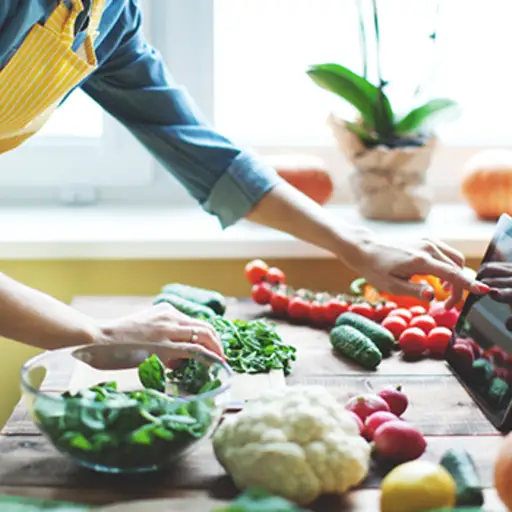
255,500
132,429
378,124
254,346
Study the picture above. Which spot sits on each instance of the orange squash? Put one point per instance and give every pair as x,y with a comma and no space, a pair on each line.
306,173
503,472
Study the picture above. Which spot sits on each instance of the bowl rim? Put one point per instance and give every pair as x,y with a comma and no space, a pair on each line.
32,363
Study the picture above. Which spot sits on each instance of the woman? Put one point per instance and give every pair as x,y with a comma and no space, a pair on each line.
48,48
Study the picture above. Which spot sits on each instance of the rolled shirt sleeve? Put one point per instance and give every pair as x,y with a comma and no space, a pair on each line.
133,84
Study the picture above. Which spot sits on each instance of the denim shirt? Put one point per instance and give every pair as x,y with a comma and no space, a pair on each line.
133,84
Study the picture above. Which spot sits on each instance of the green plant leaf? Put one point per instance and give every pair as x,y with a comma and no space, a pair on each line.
384,117
354,89
418,116
360,131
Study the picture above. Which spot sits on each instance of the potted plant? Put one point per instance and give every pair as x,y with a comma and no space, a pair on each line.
390,152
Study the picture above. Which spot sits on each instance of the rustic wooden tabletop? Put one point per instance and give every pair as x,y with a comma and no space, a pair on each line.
439,407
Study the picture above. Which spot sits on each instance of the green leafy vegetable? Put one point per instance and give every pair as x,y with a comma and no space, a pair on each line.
129,430
152,373
255,500
254,346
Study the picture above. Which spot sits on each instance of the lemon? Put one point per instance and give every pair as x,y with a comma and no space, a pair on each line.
417,486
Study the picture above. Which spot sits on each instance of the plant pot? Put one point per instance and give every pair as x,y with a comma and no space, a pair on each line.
388,183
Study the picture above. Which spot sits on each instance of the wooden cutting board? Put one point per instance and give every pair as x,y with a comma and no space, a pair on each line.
244,386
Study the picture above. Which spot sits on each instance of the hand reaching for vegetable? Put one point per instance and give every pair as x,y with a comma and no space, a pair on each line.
390,267
162,322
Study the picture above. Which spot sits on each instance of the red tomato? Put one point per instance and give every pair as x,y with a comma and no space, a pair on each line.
333,309
256,271
363,309
275,276
261,293
298,308
395,324
413,342
424,322
417,311
438,340
279,303
402,312
317,312
381,311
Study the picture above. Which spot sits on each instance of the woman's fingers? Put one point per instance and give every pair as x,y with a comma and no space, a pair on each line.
194,335
495,269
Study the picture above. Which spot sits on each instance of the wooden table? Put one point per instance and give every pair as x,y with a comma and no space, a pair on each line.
439,406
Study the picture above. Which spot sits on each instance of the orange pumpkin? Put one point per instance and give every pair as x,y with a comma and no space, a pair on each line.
503,472
306,173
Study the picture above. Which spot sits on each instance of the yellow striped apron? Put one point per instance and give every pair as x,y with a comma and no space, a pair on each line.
43,70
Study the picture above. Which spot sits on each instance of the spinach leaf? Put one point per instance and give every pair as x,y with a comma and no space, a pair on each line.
128,430
152,373
256,500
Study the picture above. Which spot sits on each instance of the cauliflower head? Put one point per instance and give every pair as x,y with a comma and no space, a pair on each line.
296,442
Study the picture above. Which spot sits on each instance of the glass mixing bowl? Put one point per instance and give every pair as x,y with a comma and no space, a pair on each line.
104,417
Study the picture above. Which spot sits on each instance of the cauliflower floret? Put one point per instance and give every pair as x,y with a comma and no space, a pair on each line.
296,442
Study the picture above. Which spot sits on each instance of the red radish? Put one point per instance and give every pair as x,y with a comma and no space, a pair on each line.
425,322
402,312
463,356
399,441
413,342
364,405
395,398
477,350
374,421
360,424
396,325
443,317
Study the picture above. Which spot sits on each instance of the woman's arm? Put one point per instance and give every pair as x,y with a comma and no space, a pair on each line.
388,267
34,318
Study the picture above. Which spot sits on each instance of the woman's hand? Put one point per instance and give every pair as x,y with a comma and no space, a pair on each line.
498,276
162,322
389,267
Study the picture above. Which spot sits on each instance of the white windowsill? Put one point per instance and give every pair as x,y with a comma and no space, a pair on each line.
164,233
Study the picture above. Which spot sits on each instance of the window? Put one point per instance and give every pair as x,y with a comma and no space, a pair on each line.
263,47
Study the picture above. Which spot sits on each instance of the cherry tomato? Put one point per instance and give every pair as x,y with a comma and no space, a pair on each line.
363,309
438,340
333,309
279,303
256,271
275,276
413,342
425,322
317,313
417,311
396,325
261,293
383,310
404,313
298,309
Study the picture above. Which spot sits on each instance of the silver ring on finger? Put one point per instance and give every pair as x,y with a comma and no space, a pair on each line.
194,336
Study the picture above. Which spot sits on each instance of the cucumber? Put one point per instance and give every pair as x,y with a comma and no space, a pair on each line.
186,306
463,470
353,344
384,340
209,298
498,391
483,372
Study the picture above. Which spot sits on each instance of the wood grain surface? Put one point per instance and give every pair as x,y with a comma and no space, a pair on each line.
440,407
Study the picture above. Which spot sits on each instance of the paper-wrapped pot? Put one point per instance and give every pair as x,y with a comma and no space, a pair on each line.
388,183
